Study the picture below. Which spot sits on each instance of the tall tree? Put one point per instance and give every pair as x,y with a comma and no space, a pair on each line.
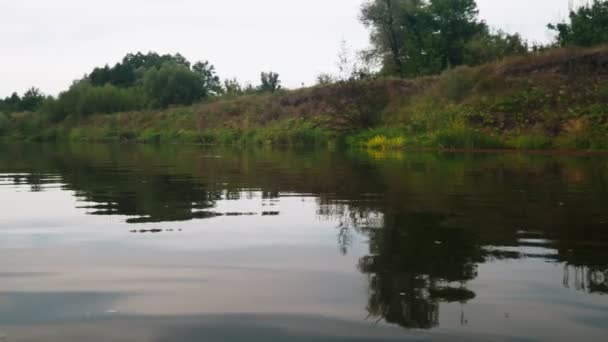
210,82
415,37
390,34
455,24
588,25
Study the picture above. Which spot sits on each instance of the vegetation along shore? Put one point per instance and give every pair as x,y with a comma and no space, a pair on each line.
436,76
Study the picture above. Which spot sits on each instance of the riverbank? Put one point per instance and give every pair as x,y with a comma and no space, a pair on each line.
552,100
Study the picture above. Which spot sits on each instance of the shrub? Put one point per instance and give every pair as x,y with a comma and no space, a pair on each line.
465,138
382,143
83,99
531,142
457,83
583,141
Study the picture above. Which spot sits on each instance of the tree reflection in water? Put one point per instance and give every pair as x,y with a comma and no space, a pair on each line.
414,264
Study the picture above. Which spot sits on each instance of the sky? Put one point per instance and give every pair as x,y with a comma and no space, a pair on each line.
50,43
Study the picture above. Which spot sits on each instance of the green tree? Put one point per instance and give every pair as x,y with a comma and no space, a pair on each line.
172,84
209,80
588,26
455,23
396,29
84,99
232,87
270,82
132,67
13,102
32,100
414,37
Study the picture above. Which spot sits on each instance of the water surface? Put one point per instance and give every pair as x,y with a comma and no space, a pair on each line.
144,243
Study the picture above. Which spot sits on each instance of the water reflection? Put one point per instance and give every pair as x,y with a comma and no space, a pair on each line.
414,264
429,220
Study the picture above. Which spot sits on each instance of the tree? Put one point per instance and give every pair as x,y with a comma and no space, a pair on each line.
13,103
209,80
132,67
414,37
270,82
325,79
32,100
172,84
232,87
455,23
588,26
390,36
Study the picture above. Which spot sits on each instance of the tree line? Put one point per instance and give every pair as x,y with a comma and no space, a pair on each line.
409,38
139,81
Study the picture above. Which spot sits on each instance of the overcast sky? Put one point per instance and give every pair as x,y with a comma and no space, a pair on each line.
49,43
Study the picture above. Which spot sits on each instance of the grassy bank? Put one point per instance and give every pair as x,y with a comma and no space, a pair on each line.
552,100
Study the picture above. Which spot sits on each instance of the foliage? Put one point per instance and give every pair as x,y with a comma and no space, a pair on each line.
530,102
128,72
588,25
464,138
414,37
83,99
398,30
31,100
172,84
270,82
487,47
325,79
531,142
209,80
232,87
457,23
455,84
382,143
356,104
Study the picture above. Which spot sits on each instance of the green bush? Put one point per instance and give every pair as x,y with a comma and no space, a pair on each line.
172,84
83,99
380,142
531,142
464,138
583,141
362,138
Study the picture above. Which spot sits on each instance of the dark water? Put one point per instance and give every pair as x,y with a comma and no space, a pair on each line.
139,243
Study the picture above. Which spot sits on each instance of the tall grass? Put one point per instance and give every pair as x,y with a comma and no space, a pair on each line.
465,138
531,142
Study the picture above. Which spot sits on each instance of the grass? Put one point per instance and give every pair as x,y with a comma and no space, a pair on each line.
465,138
531,142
